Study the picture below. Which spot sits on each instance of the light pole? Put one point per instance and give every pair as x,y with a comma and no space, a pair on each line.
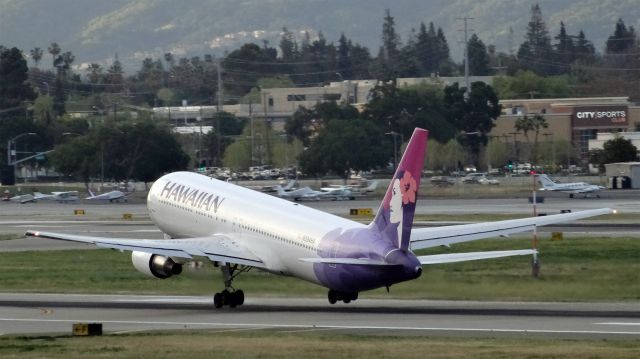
12,154
11,143
395,146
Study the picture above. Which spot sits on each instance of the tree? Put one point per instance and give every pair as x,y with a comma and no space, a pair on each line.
472,116
533,124
115,74
14,85
36,55
402,109
79,157
344,58
54,50
386,66
288,46
534,53
622,39
344,146
478,57
307,122
564,48
615,150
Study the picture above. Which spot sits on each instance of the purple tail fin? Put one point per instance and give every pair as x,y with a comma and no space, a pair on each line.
395,216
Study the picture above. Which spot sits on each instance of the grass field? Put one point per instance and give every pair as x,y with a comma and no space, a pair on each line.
276,344
574,269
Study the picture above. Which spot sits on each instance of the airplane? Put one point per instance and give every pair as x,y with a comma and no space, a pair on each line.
572,188
23,198
287,187
68,196
308,194
239,229
111,196
371,186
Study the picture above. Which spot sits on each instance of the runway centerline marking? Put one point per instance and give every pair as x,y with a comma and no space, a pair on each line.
322,326
619,323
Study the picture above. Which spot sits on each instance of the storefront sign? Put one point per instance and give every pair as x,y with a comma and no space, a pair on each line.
600,116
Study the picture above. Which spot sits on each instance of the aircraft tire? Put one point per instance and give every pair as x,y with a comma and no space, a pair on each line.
217,300
333,297
239,296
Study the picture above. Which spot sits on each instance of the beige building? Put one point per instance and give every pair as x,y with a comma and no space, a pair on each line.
577,120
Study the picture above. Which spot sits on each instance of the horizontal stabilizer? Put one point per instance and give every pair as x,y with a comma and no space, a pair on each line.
471,256
430,237
355,261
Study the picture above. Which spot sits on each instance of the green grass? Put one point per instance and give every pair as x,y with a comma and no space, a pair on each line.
575,269
281,344
9,236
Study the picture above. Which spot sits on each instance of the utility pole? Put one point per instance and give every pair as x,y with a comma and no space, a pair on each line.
466,53
219,108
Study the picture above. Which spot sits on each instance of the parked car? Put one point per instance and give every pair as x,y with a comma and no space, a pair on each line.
489,181
442,181
473,177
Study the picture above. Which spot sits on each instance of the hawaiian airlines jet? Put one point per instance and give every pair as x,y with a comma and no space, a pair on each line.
238,229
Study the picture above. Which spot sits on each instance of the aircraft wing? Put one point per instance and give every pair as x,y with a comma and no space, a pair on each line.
471,256
443,236
218,248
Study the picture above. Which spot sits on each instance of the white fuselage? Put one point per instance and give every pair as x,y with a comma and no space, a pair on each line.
187,205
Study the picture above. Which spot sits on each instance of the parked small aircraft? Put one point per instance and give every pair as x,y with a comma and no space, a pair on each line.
111,196
572,188
68,196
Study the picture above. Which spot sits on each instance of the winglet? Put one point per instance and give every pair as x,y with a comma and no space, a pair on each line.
395,215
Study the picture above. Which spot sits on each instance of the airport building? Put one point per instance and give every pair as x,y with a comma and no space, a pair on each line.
578,120
278,104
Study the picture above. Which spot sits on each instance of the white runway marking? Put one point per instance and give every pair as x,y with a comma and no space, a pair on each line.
619,323
324,326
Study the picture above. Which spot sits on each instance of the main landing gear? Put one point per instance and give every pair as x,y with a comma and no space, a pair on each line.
230,296
335,296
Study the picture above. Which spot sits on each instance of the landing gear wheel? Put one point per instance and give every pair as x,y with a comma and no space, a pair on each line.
333,298
229,296
239,297
217,301
346,297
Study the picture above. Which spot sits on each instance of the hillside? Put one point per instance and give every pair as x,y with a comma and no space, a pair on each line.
95,30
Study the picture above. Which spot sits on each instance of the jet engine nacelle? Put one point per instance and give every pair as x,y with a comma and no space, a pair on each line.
154,265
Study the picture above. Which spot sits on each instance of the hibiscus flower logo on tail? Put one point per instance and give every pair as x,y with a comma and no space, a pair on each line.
408,188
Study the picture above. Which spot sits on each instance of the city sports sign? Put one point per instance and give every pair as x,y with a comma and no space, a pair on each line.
600,116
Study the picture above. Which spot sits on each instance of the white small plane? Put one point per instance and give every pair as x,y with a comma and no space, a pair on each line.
308,194
23,198
304,193
111,196
370,187
68,196
239,229
572,188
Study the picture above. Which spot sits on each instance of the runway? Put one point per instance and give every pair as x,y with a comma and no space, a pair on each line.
35,314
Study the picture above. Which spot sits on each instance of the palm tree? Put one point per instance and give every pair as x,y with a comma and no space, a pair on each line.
533,124
54,50
36,55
